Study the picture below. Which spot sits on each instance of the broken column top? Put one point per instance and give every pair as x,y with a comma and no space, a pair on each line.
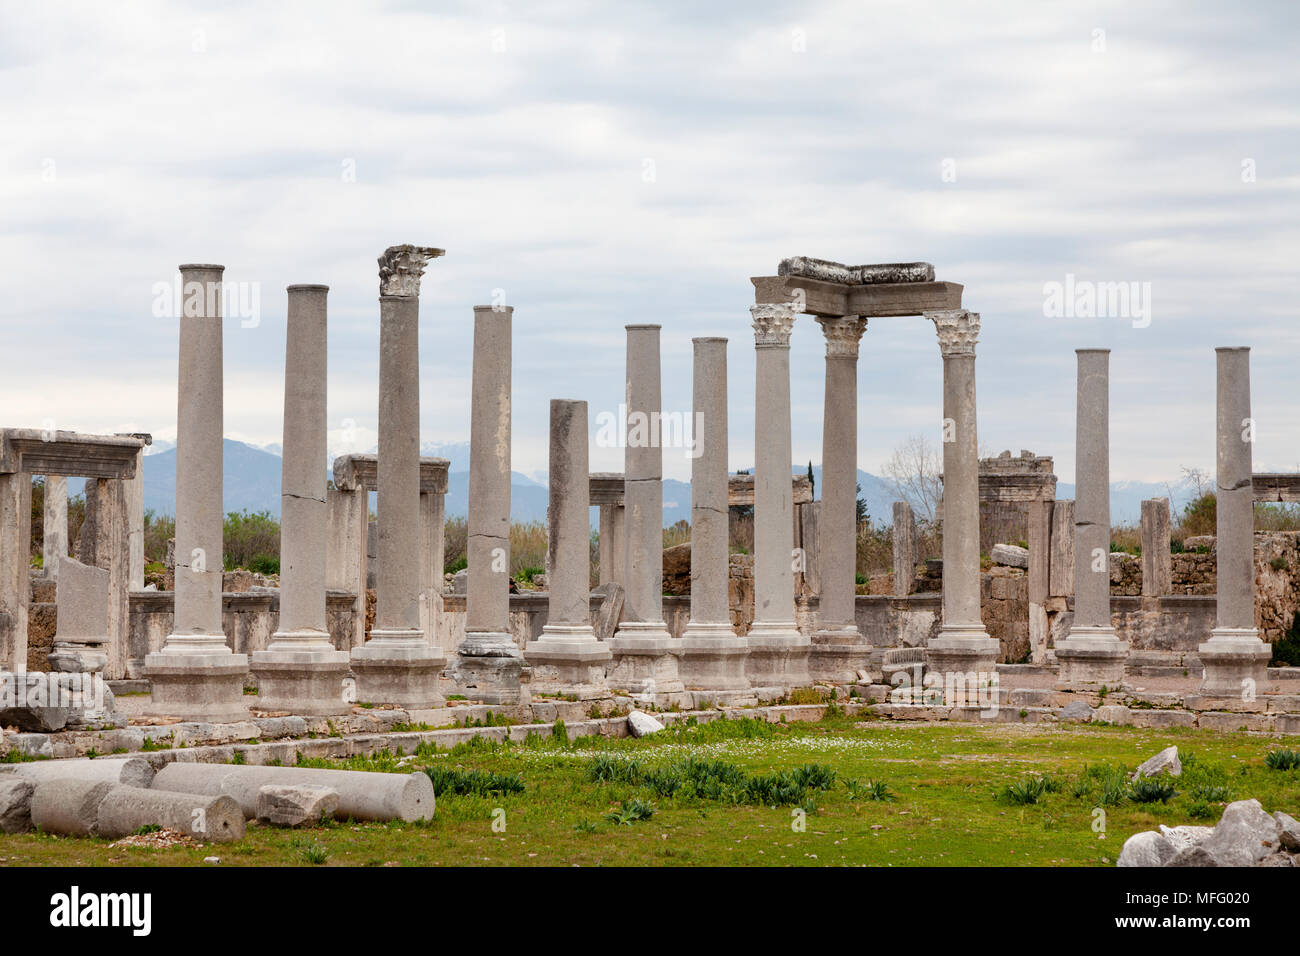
361,473
400,268
827,271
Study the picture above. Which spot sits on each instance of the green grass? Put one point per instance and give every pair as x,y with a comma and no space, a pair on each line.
728,792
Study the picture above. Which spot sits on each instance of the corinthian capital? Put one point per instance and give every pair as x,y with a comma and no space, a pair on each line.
958,330
772,324
842,334
400,268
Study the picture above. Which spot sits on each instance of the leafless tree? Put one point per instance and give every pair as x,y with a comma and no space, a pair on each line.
915,473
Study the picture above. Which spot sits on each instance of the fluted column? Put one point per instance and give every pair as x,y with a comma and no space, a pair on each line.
962,645
488,663
645,654
778,653
839,651
1235,658
1091,654
567,659
301,671
713,657
397,666
195,676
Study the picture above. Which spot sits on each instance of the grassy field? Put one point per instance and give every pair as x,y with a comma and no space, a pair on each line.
733,793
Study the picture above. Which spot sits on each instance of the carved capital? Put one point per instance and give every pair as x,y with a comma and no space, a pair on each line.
772,324
958,330
400,268
843,333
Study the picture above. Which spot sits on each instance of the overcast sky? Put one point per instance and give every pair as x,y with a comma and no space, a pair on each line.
606,164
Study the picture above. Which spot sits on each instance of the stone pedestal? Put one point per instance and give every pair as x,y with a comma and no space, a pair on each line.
839,650
397,665
568,660
713,656
1235,659
1091,655
645,654
81,640
488,664
195,676
962,645
300,671
778,652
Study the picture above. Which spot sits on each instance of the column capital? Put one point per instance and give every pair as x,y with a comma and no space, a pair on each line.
958,330
772,324
843,333
400,268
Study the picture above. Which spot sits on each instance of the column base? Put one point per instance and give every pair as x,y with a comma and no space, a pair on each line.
837,654
301,673
397,667
645,662
713,659
1091,657
962,649
196,677
489,667
568,661
778,658
1236,663
74,657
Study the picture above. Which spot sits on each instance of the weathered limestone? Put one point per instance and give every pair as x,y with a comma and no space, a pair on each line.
488,664
778,653
15,588
211,819
1060,568
1092,655
81,636
645,654
15,804
904,542
362,795
839,650
1039,521
345,565
196,676
713,656
300,671
397,665
963,645
133,493
105,543
1235,658
55,546
567,659
295,806
1157,562
129,771
69,806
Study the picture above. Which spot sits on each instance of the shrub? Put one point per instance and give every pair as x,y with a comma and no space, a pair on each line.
1151,789
1282,759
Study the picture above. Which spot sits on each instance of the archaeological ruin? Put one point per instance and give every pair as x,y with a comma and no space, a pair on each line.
992,630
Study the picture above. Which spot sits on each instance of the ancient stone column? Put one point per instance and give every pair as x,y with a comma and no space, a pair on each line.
195,676
839,651
300,670
104,543
397,665
1157,564
15,581
778,653
567,659
488,662
433,528
345,563
1038,518
962,645
1091,654
56,524
904,542
713,656
1235,659
133,489
645,654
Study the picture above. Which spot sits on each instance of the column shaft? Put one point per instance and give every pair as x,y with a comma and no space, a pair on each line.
56,524
643,470
1092,491
709,549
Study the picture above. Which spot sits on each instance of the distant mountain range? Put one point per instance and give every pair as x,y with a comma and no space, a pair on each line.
252,483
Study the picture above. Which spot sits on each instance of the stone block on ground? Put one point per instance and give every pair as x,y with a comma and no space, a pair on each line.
1076,711
640,724
67,806
1146,849
16,804
285,805
1244,835
124,810
1288,831
1165,762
